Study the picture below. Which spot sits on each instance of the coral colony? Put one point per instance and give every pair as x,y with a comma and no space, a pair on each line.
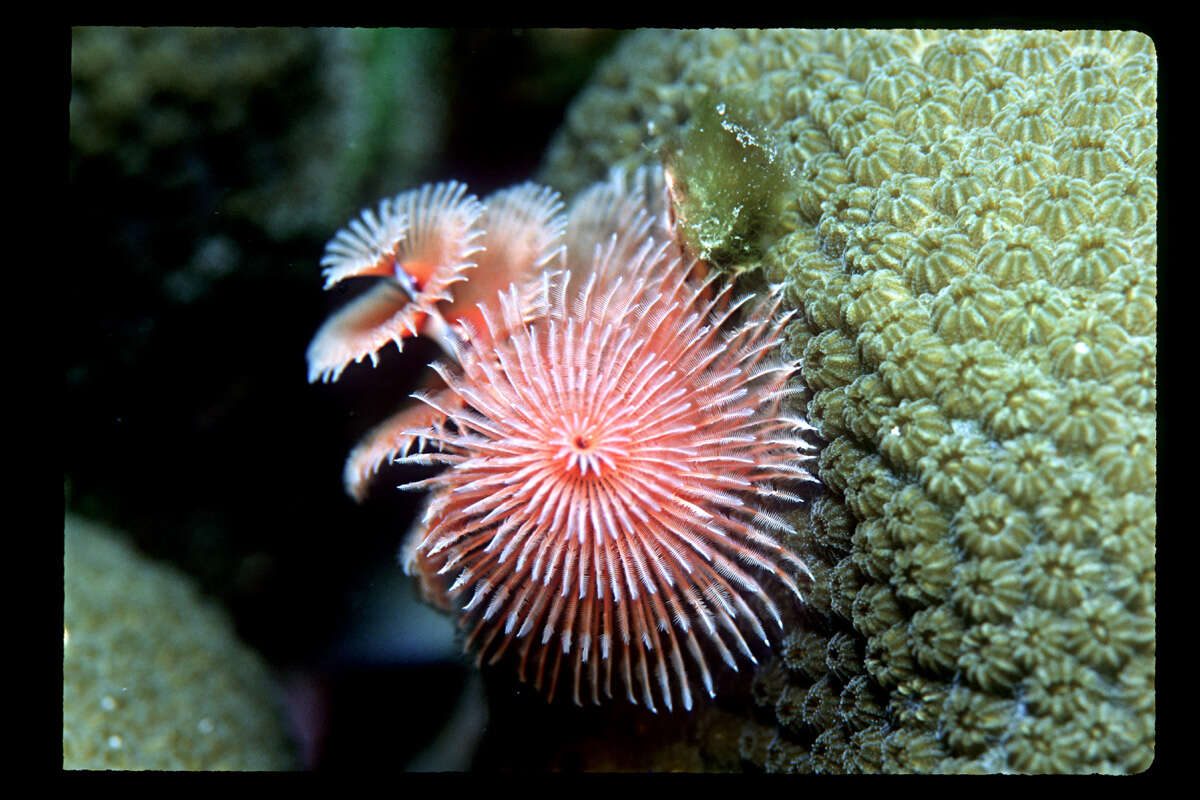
969,223
610,421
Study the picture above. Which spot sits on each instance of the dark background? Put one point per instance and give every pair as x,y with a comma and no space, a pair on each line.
207,169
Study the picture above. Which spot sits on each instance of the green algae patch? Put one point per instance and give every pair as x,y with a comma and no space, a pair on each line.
727,185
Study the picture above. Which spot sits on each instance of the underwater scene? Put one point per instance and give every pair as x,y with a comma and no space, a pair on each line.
583,400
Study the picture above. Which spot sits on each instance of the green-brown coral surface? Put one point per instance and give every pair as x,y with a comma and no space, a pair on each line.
969,228
154,678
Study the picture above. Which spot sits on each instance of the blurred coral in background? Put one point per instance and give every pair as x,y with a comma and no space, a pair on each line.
208,167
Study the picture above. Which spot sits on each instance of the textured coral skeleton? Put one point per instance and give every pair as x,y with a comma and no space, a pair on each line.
613,430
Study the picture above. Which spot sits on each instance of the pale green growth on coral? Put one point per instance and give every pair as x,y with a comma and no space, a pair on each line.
1085,349
789,707
1088,69
878,246
873,295
802,141
917,700
847,208
1140,74
1089,256
1139,133
1039,634
832,98
1075,508
1104,106
1136,386
818,177
830,525
967,227
726,182
828,751
905,752
865,751
820,595
1024,166
1097,736
959,181
1089,415
874,49
1127,463
888,82
927,158
907,432
1061,688
1105,634
906,202
870,487
967,309
1126,199
955,59
1037,747
1059,205
827,412
873,551
785,757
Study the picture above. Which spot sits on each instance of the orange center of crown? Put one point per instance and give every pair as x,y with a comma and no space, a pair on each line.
418,271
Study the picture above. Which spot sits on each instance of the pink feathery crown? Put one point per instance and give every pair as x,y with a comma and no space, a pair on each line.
616,452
